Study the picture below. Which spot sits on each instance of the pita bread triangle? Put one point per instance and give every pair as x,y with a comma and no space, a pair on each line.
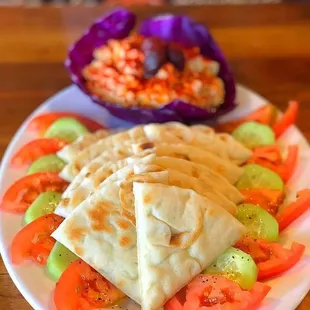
179,233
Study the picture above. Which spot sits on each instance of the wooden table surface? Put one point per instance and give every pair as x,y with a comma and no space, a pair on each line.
268,47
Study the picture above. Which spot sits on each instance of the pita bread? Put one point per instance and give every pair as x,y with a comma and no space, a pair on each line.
204,137
226,168
100,223
169,133
70,151
94,174
177,237
155,174
88,181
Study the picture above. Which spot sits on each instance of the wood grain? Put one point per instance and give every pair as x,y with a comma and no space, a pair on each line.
268,47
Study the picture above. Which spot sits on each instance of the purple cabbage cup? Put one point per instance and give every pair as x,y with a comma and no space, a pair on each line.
171,28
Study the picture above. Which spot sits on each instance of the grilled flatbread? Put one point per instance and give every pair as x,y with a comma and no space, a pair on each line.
179,233
170,133
71,151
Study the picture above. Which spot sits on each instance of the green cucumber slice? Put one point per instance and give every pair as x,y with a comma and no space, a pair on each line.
66,128
237,266
58,261
45,203
47,163
259,223
256,176
252,135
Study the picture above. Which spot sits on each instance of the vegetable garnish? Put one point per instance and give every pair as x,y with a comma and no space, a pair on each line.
35,149
59,260
271,258
269,199
34,240
44,204
289,118
235,265
270,153
256,176
259,223
81,287
253,134
24,191
270,157
217,293
265,115
41,123
66,128
47,163
288,215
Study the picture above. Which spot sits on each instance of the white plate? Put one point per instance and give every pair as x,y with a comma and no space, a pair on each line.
287,291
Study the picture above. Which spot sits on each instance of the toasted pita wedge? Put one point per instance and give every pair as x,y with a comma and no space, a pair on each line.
70,151
155,174
179,233
226,168
169,133
88,181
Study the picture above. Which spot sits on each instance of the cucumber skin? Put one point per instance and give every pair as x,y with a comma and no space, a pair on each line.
36,208
58,261
253,134
246,180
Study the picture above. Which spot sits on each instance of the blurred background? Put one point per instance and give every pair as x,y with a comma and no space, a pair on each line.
128,2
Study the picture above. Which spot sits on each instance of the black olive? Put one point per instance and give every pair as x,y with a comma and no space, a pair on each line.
176,56
155,53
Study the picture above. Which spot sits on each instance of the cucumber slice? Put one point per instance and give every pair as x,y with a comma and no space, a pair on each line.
253,135
47,163
58,261
237,266
66,128
256,176
45,203
259,222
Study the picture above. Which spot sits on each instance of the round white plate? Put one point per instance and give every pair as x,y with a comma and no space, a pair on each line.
32,281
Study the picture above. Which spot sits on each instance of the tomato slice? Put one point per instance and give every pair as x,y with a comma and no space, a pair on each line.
271,258
81,287
218,293
35,149
268,199
294,210
287,169
271,153
289,118
24,191
34,240
41,123
264,115
270,157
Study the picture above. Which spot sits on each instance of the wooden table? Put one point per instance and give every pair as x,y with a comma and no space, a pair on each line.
268,48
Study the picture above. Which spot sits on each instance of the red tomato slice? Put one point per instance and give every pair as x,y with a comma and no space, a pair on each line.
42,122
294,210
271,153
287,169
35,149
271,160
264,115
289,118
268,199
271,258
218,293
34,240
81,287
24,191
